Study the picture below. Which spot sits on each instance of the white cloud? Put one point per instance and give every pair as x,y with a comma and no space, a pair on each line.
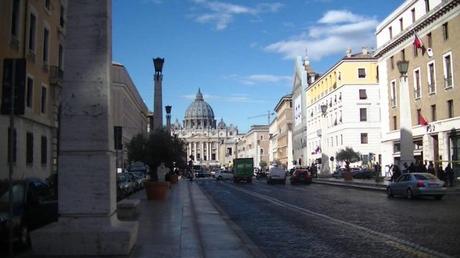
333,33
261,79
221,14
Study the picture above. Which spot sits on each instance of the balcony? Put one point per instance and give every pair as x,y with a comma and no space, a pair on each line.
56,75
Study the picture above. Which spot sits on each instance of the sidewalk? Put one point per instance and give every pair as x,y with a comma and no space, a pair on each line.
186,224
368,184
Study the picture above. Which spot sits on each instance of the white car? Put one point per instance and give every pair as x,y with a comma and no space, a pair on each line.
224,175
276,174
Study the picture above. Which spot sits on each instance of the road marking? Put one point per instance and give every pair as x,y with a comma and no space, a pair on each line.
401,244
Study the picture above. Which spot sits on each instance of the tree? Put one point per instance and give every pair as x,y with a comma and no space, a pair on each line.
347,154
262,164
156,148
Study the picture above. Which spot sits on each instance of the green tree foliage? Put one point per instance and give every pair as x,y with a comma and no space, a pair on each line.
347,154
155,148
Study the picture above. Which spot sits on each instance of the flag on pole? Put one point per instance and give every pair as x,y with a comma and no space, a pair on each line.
418,43
422,121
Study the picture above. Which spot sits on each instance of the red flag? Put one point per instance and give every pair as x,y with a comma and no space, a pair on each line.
417,41
422,120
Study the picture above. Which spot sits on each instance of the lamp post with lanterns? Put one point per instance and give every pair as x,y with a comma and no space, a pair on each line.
325,169
405,118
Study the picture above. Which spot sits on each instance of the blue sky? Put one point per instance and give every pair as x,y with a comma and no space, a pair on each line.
240,53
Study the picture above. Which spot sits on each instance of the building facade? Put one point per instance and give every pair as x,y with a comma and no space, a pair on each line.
343,110
31,57
284,137
273,141
255,144
303,76
208,143
432,79
129,112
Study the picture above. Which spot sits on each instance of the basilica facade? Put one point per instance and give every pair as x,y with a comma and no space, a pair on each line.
208,143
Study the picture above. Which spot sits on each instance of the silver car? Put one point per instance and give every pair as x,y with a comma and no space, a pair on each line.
417,184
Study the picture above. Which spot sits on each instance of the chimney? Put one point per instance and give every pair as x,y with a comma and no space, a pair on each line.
349,52
365,51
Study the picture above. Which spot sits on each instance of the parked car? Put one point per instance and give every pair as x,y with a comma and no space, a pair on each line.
338,173
417,184
138,178
362,174
124,185
34,205
224,175
276,174
300,175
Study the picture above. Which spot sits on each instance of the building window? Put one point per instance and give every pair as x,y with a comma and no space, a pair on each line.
392,63
29,148
46,35
395,123
32,25
390,31
29,92
403,54
393,93
44,150
15,18
12,141
450,108
362,94
47,5
361,73
401,24
341,139
448,81
61,58
445,31
377,75
364,138
433,112
429,40
431,78
61,16
413,14
363,114
43,100
419,116
417,88
427,5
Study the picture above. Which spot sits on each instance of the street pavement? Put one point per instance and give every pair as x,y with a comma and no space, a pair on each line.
327,221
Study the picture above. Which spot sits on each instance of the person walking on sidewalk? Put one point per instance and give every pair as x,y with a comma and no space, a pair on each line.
450,175
396,173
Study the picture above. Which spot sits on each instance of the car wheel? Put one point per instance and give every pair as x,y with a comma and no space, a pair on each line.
24,238
438,197
389,192
410,194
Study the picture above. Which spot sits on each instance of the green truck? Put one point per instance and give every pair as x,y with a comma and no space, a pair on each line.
243,169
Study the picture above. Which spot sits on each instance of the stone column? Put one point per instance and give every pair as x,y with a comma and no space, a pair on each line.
405,121
158,94
194,149
208,150
217,151
88,223
189,151
202,151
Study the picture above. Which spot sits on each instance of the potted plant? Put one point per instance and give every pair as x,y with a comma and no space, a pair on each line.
160,151
348,155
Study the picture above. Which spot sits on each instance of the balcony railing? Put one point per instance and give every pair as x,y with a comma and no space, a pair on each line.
56,75
448,82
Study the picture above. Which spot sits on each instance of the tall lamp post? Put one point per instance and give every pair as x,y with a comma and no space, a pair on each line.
168,118
405,118
324,159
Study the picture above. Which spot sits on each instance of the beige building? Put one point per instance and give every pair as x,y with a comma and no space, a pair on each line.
255,144
129,112
273,141
433,79
31,33
284,136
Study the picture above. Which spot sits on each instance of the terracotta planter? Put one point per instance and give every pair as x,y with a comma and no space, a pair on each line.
173,179
156,190
347,176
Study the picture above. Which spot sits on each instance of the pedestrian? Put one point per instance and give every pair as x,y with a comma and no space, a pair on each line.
411,168
377,169
431,168
405,168
396,173
450,175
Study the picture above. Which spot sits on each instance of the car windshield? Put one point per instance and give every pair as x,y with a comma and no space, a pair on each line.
424,177
18,194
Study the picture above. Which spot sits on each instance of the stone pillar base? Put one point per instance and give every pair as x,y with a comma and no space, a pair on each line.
85,236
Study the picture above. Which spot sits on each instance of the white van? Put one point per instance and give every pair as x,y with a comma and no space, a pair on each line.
276,174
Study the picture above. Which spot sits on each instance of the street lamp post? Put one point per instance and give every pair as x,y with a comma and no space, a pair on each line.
405,118
324,158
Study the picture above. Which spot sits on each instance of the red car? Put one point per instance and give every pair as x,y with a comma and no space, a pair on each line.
301,176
